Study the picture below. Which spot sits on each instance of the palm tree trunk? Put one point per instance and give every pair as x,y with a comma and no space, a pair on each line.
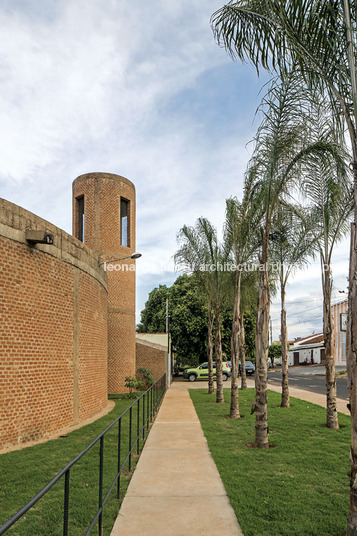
234,410
351,343
218,352
332,415
261,350
210,353
285,398
242,353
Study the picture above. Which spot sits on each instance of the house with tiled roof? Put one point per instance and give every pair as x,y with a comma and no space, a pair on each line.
309,350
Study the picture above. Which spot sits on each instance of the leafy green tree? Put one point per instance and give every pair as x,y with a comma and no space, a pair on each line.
248,316
188,324
153,316
250,319
275,352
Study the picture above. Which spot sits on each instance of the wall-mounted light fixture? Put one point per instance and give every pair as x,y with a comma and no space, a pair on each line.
38,237
133,256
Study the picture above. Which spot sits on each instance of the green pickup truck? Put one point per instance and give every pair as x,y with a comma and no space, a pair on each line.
201,372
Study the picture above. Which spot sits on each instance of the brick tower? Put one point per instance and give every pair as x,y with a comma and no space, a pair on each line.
104,219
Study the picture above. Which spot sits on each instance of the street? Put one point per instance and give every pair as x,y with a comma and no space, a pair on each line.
311,379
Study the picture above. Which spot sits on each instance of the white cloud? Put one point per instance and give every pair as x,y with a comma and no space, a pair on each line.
139,89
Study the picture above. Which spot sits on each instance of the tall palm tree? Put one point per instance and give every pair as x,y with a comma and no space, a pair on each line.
284,139
248,303
280,142
240,240
319,35
200,252
329,196
292,242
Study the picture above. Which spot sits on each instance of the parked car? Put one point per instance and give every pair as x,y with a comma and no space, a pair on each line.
249,367
201,372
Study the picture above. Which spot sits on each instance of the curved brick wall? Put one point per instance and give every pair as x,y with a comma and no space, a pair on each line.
102,194
53,330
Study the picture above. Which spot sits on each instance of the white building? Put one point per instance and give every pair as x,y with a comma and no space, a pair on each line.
309,350
339,313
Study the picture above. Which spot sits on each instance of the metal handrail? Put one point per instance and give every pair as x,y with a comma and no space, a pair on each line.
154,395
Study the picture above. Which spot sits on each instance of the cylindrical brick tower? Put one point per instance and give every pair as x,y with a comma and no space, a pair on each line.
104,219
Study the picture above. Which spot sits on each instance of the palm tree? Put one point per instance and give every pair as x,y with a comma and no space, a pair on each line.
201,253
292,243
241,241
248,303
319,36
284,139
280,142
329,195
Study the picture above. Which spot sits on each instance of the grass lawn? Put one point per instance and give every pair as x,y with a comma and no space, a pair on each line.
298,488
25,472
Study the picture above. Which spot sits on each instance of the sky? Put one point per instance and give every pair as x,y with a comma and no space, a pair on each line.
140,89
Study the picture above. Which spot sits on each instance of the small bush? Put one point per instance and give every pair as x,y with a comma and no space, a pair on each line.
132,384
146,377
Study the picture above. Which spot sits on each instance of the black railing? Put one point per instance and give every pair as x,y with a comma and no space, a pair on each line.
146,408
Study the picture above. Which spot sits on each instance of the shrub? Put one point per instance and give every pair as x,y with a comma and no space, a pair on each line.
147,378
132,383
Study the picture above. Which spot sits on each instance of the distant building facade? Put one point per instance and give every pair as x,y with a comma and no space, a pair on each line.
339,313
311,349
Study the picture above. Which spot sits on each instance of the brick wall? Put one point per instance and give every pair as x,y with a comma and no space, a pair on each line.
151,356
53,330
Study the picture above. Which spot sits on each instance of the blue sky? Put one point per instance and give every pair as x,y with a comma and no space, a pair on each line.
139,89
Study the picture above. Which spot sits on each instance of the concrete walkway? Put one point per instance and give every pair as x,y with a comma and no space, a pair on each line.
176,489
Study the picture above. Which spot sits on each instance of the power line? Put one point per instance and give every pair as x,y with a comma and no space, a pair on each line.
305,310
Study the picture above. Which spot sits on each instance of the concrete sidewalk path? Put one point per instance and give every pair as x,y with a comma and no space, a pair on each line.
176,489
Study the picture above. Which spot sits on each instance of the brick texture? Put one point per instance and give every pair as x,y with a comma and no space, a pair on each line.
67,326
102,193
53,331
153,357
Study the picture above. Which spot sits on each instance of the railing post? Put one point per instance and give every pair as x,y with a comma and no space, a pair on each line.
151,402
147,410
101,454
66,503
119,458
130,425
143,416
138,430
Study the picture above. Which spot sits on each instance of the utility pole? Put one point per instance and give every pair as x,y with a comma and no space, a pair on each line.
169,357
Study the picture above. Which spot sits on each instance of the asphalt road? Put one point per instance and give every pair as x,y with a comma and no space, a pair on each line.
311,379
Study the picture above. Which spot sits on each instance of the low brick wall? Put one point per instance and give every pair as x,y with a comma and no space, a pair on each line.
153,357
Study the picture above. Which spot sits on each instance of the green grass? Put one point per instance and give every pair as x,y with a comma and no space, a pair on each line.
25,472
298,488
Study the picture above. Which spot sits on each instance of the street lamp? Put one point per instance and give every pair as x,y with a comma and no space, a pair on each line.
133,256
